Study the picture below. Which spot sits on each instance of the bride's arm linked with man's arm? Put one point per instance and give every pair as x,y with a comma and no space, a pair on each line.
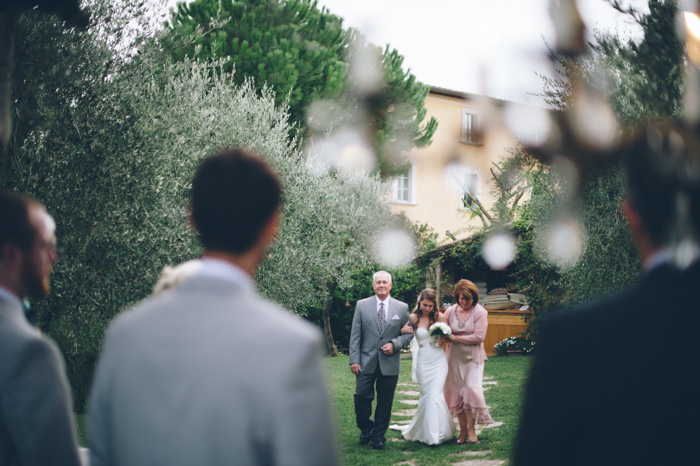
403,339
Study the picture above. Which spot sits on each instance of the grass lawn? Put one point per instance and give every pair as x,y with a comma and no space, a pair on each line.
504,399
81,429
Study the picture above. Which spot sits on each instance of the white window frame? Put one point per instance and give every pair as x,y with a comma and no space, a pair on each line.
470,133
411,179
477,188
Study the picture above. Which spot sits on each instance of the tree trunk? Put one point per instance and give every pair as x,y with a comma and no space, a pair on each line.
6,65
331,284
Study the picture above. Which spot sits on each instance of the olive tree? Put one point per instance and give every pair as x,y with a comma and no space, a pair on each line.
109,142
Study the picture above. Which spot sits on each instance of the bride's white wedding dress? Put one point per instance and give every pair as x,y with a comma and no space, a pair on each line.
433,423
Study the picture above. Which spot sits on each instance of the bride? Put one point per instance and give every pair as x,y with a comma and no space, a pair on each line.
432,423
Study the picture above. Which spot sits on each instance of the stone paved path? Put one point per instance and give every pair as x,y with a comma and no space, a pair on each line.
474,453
404,412
410,389
410,402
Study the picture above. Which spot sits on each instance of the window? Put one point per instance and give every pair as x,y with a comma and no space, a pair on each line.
469,185
404,186
470,127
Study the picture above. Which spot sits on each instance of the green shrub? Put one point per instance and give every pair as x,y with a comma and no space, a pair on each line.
110,143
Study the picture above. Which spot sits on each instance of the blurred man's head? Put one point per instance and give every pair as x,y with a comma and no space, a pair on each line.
662,172
27,245
235,197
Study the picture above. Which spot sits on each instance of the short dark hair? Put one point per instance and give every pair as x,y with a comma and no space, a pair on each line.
234,195
15,226
661,164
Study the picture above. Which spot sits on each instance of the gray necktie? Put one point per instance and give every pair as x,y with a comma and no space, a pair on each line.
382,317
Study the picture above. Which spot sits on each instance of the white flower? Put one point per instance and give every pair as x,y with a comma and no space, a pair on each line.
173,276
439,329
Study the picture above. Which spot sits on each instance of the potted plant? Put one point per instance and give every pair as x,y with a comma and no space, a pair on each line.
447,300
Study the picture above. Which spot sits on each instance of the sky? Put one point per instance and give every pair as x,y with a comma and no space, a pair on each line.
489,47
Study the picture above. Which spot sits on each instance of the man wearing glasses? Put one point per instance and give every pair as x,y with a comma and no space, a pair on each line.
36,416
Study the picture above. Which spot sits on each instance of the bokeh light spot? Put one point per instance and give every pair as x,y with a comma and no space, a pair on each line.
499,251
394,248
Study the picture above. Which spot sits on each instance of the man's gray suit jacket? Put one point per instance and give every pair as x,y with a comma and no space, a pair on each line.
366,340
36,415
210,373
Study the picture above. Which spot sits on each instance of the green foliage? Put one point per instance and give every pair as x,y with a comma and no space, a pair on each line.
292,46
609,261
305,54
109,143
642,80
329,226
651,73
408,282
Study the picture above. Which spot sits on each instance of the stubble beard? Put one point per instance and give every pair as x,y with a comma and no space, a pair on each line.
35,282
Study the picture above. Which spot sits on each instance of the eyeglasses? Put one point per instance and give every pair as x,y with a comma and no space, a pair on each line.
50,247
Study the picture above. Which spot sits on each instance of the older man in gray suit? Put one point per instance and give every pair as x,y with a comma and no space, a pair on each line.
36,417
375,342
208,372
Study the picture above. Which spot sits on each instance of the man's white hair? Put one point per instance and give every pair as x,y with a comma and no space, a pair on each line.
381,272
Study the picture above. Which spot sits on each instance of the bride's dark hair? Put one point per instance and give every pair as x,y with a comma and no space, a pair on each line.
430,295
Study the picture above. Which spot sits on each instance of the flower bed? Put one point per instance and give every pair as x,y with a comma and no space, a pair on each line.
514,345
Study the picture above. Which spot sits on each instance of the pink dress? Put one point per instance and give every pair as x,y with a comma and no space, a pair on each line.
465,363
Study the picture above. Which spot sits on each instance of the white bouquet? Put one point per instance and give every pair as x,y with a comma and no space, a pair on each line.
439,329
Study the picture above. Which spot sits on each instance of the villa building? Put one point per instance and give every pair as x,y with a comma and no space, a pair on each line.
470,137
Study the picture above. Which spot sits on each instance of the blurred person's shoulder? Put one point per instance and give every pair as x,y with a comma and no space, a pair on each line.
254,313
282,323
578,327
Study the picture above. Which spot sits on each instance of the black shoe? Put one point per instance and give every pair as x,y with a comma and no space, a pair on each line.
364,437
378,444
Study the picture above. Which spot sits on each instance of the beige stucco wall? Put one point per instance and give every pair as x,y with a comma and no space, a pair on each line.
437,197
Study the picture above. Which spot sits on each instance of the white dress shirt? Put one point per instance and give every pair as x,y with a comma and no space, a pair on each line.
386,307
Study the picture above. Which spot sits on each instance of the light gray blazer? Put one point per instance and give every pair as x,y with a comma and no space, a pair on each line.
36,416
366,341
209,373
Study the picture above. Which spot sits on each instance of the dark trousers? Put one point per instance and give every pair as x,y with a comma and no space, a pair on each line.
364,394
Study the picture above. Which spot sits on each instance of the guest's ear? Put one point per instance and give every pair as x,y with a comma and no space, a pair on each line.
270,230
632,217
637,230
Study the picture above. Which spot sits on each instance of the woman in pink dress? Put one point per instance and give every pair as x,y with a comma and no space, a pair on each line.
464,391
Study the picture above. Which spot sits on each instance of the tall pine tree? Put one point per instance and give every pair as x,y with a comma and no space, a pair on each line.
304,54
